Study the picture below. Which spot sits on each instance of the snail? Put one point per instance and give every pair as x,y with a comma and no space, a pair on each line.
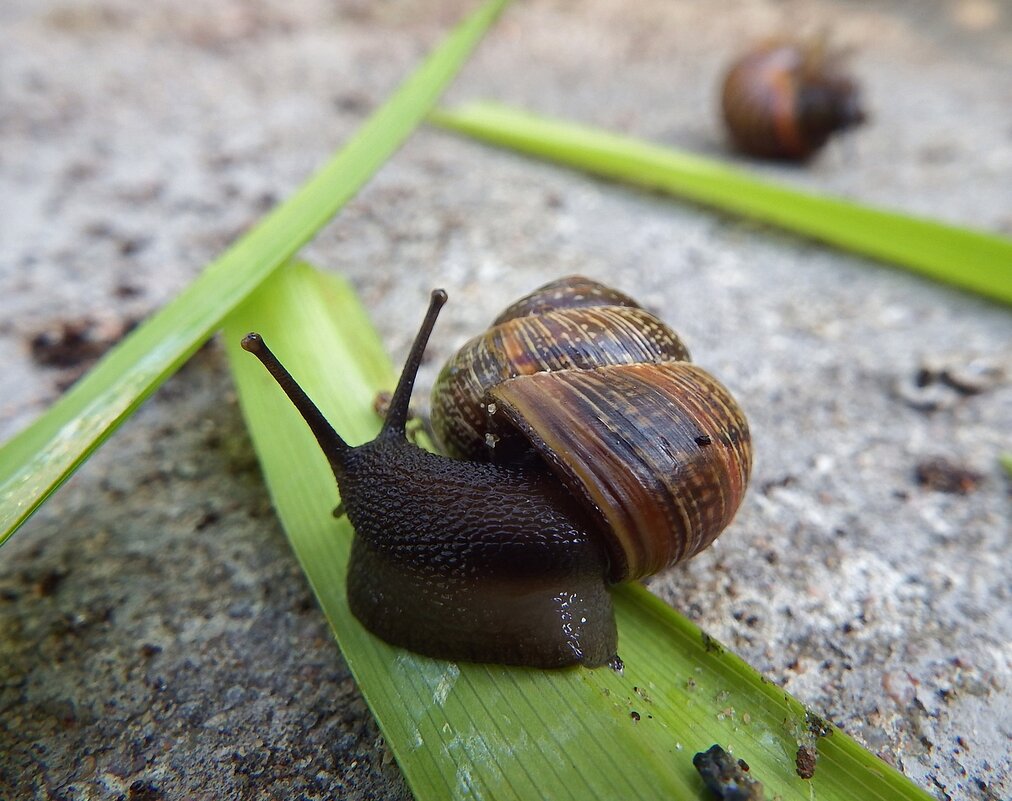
596,453
785,99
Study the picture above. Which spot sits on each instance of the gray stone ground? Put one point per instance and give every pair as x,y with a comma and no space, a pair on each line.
157,638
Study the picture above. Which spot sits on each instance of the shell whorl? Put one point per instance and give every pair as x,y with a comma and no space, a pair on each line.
661,452
570,292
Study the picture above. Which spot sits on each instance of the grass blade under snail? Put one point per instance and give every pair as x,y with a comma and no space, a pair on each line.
491,732
973,260
36,461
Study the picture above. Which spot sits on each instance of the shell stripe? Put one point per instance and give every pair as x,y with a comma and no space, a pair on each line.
648,488
785,116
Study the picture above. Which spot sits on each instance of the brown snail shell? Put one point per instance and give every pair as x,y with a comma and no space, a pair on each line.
604,395
785,99
572,323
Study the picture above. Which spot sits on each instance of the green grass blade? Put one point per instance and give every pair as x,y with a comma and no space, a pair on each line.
1006,463
969,259
36,461
489,732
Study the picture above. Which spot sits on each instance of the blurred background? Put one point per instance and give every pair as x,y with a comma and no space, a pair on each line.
157,638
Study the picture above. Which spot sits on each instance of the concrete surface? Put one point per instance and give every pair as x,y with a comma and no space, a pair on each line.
157,638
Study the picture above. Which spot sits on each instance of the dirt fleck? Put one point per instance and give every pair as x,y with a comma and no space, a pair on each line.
967,377
208,518
941,475
72,346
71,343
785,480
643,694
804,761
726,777
142,790
711,645
49,582
131,245
818,725
941,788
125,290
381,403
941,384
352,102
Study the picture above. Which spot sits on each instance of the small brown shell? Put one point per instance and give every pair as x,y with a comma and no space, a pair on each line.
660,452
785,99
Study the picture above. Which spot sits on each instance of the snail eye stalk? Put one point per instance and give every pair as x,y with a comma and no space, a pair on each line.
397,416
333,447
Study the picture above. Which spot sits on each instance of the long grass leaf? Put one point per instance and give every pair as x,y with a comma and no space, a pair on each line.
489,732
973,260
36,461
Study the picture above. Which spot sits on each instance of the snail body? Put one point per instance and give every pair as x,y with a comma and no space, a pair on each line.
567,477
784,100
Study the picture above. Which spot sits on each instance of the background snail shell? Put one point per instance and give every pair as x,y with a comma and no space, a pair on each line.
785,99
604,395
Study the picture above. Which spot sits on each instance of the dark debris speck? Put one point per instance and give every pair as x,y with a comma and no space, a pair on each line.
76,343
804,761
142,790
726,777
49,582
208,518
711,645
941,475
818,725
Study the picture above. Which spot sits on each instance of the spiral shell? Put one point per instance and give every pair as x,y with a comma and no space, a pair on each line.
785,99
569,324
604,395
